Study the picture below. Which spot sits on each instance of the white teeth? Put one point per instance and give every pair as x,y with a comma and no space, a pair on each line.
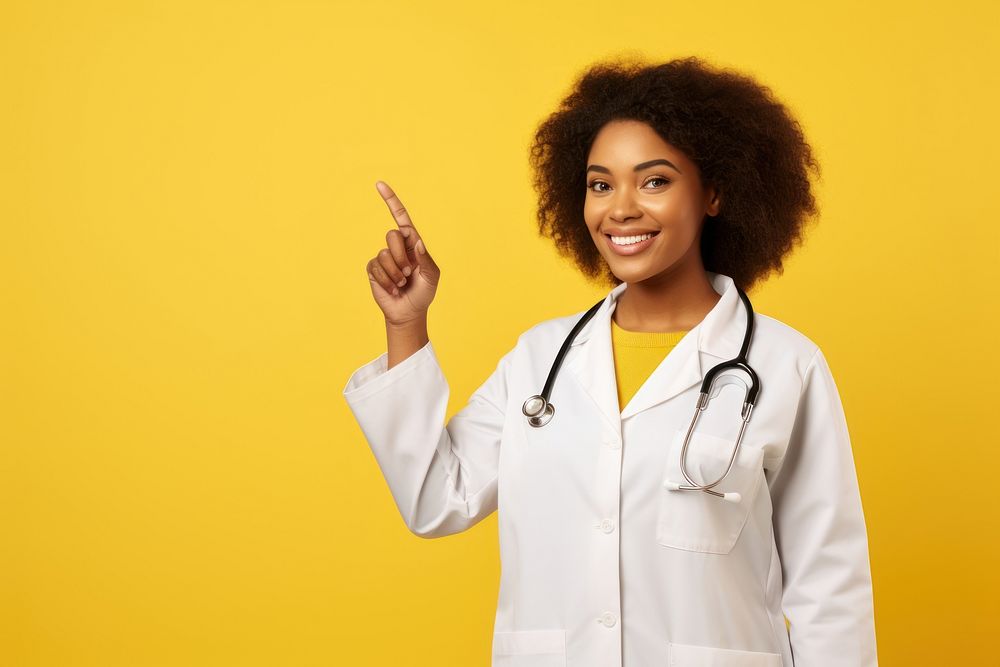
629,240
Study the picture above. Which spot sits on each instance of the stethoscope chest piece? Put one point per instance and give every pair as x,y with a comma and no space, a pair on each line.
538,410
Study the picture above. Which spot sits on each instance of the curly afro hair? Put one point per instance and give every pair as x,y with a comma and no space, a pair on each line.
744,142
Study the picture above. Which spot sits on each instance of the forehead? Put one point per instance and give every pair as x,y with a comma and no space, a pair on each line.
624,143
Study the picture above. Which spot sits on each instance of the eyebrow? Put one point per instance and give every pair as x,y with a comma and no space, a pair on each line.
638,167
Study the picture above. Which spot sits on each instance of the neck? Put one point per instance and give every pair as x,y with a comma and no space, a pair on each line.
675,301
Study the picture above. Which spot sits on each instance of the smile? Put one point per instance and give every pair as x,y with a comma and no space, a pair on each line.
630,245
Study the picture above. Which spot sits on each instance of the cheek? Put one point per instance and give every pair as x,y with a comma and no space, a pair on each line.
681,217
592,216
667,209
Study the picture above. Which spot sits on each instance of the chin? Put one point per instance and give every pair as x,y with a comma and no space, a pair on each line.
631,275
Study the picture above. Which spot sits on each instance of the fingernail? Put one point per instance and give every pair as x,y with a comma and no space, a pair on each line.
395,291
405,231
402,281
406,271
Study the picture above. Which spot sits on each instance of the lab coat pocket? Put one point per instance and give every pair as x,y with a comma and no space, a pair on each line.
687,655
699,521
529,648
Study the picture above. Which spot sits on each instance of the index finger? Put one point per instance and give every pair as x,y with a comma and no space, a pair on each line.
396,207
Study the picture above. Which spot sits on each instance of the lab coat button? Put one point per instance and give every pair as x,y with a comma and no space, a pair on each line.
607,525
608,619
612,442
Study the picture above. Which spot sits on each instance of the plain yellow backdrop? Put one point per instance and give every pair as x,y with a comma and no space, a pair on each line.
187,200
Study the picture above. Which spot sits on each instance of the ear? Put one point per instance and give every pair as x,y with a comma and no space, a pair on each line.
714,202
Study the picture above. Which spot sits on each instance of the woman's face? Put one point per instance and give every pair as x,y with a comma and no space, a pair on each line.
637,184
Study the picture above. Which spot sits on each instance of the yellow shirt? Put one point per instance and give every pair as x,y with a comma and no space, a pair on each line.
637,354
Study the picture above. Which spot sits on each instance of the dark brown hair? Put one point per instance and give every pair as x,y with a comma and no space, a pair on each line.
744,142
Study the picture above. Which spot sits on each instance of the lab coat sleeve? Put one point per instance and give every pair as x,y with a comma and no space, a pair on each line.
820,533
443,477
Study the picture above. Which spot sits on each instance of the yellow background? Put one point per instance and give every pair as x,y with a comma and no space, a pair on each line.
187,203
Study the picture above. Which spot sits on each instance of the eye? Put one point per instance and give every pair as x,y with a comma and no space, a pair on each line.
593,185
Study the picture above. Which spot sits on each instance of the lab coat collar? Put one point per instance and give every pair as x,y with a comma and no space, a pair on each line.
719,334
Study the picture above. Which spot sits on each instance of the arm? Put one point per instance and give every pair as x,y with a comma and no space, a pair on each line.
820,533
402,341
443,478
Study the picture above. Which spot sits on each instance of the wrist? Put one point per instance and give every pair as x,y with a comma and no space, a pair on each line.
417,323
405,338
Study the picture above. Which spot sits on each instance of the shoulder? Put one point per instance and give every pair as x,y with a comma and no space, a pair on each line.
551,331
775,341
538,345
783,334
555,326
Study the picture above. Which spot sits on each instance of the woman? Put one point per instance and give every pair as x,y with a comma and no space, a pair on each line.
677,184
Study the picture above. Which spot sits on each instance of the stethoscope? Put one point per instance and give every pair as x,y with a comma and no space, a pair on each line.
539,410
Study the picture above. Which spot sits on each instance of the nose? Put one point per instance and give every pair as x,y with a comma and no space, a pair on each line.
624,205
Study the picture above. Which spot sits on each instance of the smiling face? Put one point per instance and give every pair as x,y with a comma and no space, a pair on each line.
638,184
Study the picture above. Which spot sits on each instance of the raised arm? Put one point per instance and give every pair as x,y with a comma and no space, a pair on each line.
442,477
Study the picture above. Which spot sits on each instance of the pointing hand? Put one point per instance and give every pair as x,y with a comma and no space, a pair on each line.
404,254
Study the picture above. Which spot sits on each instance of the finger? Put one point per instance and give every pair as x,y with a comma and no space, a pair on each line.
396,207
377,285
380,277
389,265
425,263
397,241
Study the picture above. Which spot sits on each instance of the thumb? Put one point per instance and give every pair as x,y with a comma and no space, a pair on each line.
425,263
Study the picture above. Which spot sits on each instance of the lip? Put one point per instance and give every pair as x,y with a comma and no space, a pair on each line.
630,249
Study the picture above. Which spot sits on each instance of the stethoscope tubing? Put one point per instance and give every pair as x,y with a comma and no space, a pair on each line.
539,410
541,416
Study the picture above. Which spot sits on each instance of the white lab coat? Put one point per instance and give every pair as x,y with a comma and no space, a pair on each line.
601,565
